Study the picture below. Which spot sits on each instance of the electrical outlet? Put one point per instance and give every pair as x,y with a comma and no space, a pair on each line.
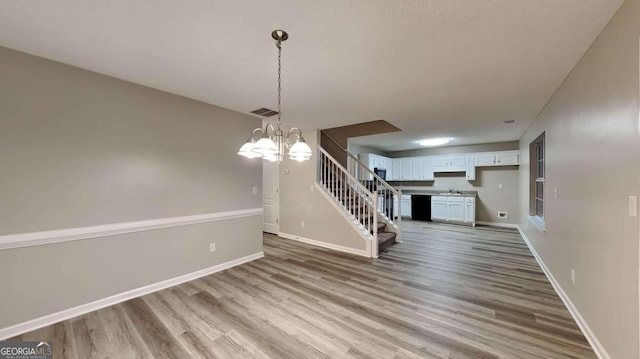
555,193
503,214
302,224
573,276
499,185
255,190
212,247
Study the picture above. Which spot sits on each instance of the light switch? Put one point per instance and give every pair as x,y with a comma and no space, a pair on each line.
555,193
499,185
633,206
255,190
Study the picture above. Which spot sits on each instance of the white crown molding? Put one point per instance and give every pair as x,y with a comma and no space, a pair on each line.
584,327
335,247
12,241
37,323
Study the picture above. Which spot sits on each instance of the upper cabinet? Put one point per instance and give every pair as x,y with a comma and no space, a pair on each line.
373,161
423,168
508,158
503,158
450,163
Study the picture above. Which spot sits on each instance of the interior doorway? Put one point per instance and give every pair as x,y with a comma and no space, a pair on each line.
270,197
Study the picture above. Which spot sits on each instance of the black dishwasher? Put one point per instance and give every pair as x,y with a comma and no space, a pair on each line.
421,207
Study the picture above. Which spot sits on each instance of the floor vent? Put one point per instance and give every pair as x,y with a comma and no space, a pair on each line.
265,112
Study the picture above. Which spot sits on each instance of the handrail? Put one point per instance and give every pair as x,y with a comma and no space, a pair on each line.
362,165
351,177
334,141
375,176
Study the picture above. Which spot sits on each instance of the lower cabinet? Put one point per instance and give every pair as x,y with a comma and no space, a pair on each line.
453,209
405,211
439,208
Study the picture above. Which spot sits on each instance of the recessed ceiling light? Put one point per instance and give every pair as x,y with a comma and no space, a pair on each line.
435,141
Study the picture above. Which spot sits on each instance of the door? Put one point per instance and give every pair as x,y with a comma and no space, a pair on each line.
485,160
458,163
270,197
507,159
407,169
439,208
441,164
427,169
396,172
416,168
469,212
456,212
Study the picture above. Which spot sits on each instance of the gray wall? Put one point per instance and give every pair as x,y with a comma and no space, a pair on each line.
81,149
491,199
298,203
592,144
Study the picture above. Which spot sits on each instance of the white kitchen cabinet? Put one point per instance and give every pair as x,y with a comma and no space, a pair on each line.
402,169
406,205
471,169
439,208
416,169
450,164
396,169
427,169
453,209
470,210
484,159
373,161
508,158
502,158
407,169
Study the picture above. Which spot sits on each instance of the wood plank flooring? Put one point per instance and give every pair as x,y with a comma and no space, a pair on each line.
446,292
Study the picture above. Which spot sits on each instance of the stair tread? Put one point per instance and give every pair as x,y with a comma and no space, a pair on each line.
386,236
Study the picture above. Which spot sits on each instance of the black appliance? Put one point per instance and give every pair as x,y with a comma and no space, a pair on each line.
421,207
381,172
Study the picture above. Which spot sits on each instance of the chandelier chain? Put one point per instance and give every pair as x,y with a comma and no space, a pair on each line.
279,45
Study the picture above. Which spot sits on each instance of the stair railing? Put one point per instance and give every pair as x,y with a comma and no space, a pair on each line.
355,198
389,204
389,198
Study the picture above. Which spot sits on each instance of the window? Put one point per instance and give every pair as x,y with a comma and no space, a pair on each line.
536,186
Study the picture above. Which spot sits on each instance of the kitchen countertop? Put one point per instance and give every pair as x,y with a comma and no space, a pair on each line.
434,192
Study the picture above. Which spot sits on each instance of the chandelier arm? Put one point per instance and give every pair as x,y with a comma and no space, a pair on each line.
265,132
253,133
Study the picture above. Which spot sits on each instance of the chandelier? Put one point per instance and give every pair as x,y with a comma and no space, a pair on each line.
272,142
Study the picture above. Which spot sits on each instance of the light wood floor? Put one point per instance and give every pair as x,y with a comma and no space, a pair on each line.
446,292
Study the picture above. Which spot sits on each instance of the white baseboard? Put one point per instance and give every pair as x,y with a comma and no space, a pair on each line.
584,327
73,234
37,323
335,247
496,224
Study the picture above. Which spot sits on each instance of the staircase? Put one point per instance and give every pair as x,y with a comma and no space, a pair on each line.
364,198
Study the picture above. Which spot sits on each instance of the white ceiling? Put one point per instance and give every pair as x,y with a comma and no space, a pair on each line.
455,68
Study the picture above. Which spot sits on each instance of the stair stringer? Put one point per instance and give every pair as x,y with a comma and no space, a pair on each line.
369,239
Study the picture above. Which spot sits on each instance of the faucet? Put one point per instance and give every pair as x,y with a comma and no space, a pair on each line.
453,190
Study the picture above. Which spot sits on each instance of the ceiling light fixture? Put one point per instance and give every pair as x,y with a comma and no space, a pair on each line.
272,142
435,141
